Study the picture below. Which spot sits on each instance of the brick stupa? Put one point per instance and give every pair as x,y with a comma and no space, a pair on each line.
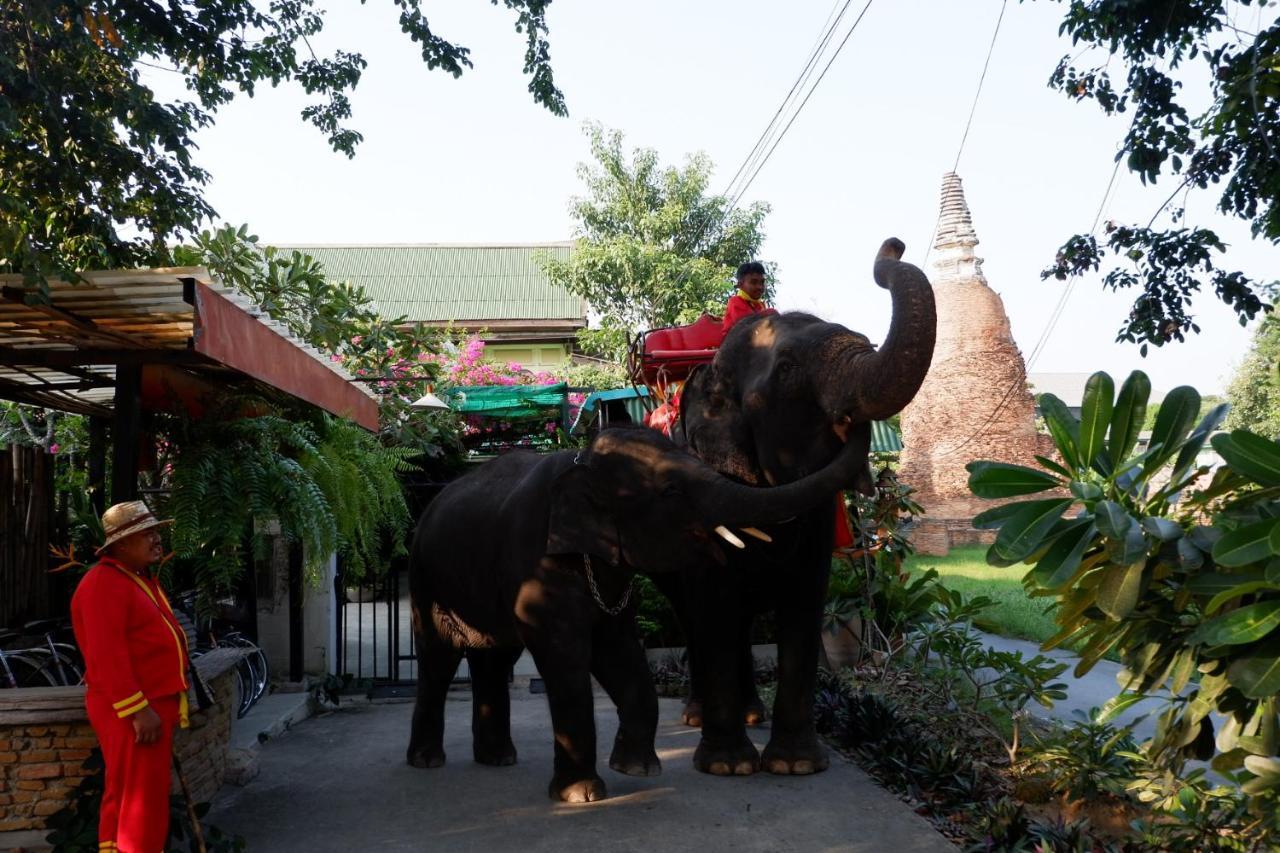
974,403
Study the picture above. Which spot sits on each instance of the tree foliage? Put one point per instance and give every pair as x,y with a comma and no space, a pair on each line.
96,171
654,248
1231,144
1255,389
1171,564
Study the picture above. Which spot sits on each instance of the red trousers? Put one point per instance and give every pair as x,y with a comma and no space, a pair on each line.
135,801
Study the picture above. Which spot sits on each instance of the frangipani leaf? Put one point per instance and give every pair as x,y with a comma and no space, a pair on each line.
1118,592
1246,545
1245,625
1256,673
1024,532
1251,455
1177,414
1064,428
1004,480
1063,557
1127,417
995,517
1095,415
1113,520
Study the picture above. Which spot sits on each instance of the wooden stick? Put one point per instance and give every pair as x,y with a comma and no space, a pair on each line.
191,806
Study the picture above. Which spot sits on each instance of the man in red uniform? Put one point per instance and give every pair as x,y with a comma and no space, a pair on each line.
135,655
749,299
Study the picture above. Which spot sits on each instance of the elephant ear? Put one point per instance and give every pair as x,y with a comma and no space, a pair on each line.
578,522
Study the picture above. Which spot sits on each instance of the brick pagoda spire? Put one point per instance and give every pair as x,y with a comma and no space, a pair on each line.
974,403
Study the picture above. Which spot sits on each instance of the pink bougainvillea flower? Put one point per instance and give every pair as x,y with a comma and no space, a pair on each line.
54,448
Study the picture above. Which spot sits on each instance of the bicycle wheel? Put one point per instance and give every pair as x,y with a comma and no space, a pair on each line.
244,676
31,672
257,663
242,690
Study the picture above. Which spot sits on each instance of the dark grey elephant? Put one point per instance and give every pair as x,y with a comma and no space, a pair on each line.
785,394
538,551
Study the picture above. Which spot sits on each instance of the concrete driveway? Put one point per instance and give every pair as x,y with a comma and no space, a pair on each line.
339,783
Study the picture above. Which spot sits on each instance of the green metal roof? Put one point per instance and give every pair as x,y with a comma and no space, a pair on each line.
441,282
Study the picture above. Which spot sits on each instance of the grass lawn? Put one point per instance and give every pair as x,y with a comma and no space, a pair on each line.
1014,614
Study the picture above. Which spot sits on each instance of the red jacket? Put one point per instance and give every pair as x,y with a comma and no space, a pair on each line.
133,647
739,306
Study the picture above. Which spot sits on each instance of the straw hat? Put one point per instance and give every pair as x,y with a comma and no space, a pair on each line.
126,519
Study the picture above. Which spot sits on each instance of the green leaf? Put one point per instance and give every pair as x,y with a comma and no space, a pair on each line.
1113,521
1086,491
1117,705
995,517
1095,415
1003,480
1189,556
1177,414
1191,449
1127,417
1163,529
1256,673
1063,557
1245,625
1239,589
1064,428
1054,466
1248,544
1250,455
1118,592
1025,532
1212,583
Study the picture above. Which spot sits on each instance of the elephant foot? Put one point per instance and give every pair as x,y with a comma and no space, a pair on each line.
634,762
795,757
426,758
754,714
579,791
494,754
737,759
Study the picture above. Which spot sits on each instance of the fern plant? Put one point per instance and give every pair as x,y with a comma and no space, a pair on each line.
329,485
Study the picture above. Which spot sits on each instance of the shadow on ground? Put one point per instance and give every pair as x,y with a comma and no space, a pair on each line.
339,783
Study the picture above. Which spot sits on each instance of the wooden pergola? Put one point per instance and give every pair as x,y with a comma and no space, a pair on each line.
122,342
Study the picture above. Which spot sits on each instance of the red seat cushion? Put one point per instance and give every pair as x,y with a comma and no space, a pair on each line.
676,350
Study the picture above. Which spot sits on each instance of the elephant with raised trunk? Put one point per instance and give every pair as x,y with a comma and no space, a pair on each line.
784,395
538,551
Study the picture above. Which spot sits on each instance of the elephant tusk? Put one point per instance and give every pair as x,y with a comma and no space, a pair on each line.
727,535
757,533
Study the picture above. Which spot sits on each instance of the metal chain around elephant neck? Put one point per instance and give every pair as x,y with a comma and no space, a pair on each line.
595,590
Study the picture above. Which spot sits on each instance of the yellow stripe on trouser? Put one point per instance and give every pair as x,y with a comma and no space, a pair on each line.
123,702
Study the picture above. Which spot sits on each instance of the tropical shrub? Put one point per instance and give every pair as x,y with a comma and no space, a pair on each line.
1173,565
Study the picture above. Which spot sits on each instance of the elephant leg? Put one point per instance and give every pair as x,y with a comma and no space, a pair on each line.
437,663
491,706
725,749
618,662
793,746
562,653
673,586
753,712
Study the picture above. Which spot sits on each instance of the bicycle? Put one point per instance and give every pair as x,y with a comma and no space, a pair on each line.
52,664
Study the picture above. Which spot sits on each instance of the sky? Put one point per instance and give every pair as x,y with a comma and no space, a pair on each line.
474,159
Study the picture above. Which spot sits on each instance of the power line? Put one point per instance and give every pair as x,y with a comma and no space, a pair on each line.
808,95
819,46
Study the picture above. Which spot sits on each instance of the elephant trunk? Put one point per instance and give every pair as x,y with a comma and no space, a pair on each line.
870,384
722,501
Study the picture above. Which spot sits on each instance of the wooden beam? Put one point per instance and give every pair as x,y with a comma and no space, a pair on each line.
125,432
40,357
18,296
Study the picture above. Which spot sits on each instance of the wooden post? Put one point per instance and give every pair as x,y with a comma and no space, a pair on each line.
125,429
98,463
295,612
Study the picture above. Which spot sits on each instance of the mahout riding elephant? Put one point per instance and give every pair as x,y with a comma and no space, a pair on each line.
538,551
783,396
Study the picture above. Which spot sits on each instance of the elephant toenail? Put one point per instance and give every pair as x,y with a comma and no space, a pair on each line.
802,768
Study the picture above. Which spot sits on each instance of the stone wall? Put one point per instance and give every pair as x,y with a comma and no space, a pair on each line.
45,737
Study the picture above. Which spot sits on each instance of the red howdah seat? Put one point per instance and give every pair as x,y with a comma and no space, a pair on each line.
661,356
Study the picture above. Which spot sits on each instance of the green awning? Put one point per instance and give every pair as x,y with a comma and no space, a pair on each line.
507,401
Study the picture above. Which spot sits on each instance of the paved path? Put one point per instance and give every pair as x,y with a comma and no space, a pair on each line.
1093,690
339,783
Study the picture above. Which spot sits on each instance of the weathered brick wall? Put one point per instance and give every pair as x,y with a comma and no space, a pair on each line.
974,403
45,737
